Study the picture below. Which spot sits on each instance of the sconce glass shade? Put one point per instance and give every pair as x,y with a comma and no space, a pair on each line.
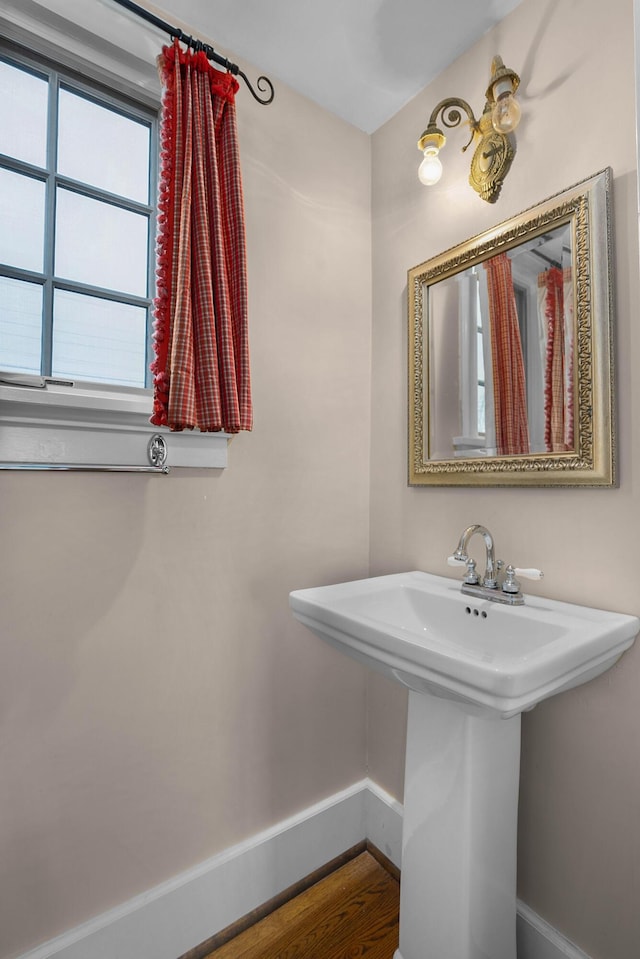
506,114
431,142
430,170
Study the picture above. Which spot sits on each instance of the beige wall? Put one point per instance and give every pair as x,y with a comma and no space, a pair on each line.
580,808
158,703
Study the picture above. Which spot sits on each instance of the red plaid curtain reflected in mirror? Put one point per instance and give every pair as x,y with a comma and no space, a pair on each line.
201,368
557,323
509,389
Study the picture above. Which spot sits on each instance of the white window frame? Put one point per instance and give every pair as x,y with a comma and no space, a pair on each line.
91,425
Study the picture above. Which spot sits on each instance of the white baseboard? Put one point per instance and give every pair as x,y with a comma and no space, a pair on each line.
172,918
383,822
538,940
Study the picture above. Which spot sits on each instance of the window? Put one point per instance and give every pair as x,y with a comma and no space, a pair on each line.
78,171
76,178
472,349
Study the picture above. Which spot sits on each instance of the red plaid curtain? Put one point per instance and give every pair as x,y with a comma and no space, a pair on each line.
509,390
201,368
558,373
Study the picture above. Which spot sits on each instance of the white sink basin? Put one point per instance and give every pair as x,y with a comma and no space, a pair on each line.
421,631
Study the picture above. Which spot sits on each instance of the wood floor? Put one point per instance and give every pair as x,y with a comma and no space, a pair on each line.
351,913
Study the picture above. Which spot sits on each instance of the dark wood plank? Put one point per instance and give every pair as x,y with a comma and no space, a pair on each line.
383,860
204,950
297,920
368,927
351,913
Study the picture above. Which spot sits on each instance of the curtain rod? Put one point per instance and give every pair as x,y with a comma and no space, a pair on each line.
263,83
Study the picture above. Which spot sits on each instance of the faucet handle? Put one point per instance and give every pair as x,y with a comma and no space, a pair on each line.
471,578
529,573
511,584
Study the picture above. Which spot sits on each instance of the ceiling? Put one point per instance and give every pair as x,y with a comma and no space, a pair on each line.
360,59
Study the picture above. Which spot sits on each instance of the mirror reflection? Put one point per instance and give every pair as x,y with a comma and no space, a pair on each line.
501,351
510,352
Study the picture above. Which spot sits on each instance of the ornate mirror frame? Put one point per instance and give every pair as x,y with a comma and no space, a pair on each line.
591,462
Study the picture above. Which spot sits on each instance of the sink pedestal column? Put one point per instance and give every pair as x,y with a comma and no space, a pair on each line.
458,884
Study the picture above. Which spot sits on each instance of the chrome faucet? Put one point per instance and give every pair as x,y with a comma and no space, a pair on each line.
489,579
488,586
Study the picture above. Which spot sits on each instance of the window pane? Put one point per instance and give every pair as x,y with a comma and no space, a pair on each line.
101,245
20,325
23,114
93,142
480,351
481,409
21,220
97,339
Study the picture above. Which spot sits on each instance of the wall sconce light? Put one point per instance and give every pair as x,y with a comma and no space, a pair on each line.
496,147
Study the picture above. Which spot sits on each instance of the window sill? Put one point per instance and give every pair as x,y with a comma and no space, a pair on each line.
88,428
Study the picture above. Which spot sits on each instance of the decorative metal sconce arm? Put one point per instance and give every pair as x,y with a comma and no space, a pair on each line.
450,118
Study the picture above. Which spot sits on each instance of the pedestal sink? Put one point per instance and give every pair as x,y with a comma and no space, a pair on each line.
472,667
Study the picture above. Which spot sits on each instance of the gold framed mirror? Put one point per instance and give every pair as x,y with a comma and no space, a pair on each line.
510,351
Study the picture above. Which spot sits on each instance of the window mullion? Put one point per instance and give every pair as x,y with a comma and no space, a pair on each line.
117,296
151,265
50,227
96,193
